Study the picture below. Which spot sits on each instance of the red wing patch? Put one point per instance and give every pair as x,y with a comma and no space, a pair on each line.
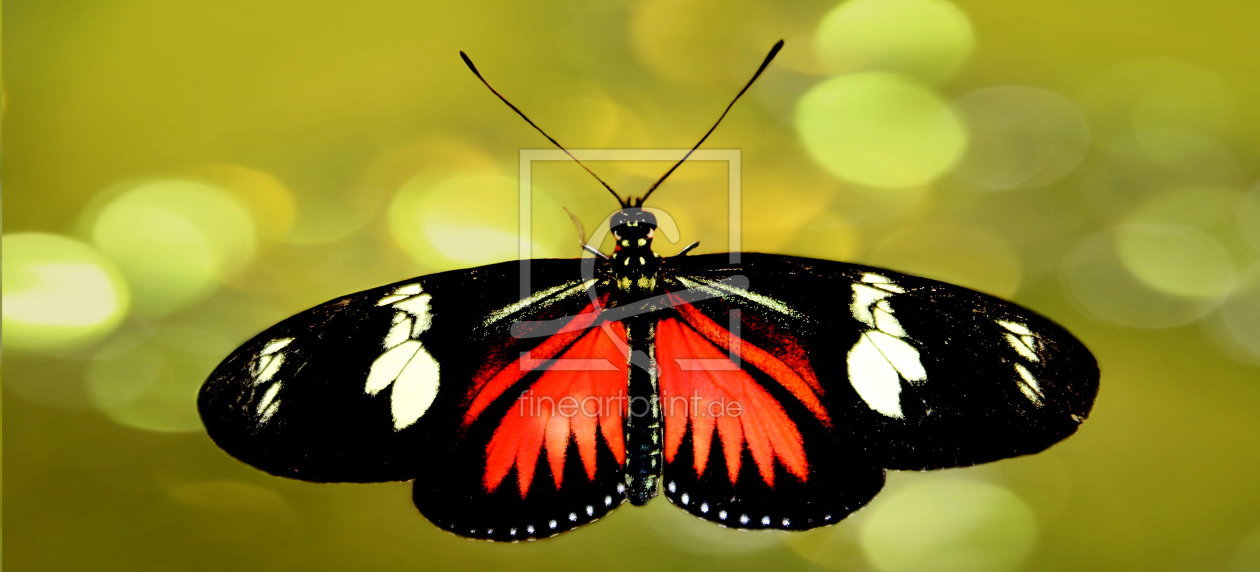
703,388
578,397
489,385
797,377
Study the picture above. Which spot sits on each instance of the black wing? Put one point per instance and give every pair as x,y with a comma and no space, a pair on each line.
378,385
924,373
351,389
749,441
908,373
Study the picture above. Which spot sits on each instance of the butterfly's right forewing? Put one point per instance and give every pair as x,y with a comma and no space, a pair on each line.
922,373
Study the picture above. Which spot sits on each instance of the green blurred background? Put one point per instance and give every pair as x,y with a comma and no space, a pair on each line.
179,175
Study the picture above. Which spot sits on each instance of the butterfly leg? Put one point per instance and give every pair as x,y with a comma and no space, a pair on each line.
595,251
689,248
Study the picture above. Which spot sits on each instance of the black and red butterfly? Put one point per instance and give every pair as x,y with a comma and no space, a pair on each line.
757,391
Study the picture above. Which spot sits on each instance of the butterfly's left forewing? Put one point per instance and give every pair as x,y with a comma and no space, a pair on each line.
415,380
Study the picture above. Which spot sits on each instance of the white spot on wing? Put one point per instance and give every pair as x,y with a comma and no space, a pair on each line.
882,356
1016,327
405,364
399,293
268,361
900,354
267,398
414,376
270,410
418,307
270,366
275,345
389,365
883,282
1023,345
1029,386
864,298
400,331
874,378
885,322
1024,342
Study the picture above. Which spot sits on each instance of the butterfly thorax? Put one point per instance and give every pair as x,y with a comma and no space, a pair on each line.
634,265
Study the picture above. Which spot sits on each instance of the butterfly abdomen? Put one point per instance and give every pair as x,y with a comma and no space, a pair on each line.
643,415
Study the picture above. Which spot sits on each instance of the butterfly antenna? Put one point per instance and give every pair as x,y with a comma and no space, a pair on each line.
770,56
472,67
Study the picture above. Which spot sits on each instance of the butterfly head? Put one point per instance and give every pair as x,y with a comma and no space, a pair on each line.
633,224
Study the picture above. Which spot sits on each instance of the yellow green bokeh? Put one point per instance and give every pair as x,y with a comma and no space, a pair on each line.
145,381
928,40
487,231
1020,137
174,240
180,175
955,253
59,292
880,129
1176,260
945,524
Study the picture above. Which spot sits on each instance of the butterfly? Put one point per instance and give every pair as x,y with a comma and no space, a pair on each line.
757,391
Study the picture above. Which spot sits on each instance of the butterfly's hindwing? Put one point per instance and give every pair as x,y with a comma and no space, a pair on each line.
539,447
750,441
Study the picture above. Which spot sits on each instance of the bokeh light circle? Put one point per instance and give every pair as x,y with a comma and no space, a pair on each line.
1098,282
880,129
1161,94
1020,137
268,200
149,380
948,524
59,293
460,220
1175,259
1245,556
174,240
925,39
1210,209
1248,218
701,42
831,547
1237,323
